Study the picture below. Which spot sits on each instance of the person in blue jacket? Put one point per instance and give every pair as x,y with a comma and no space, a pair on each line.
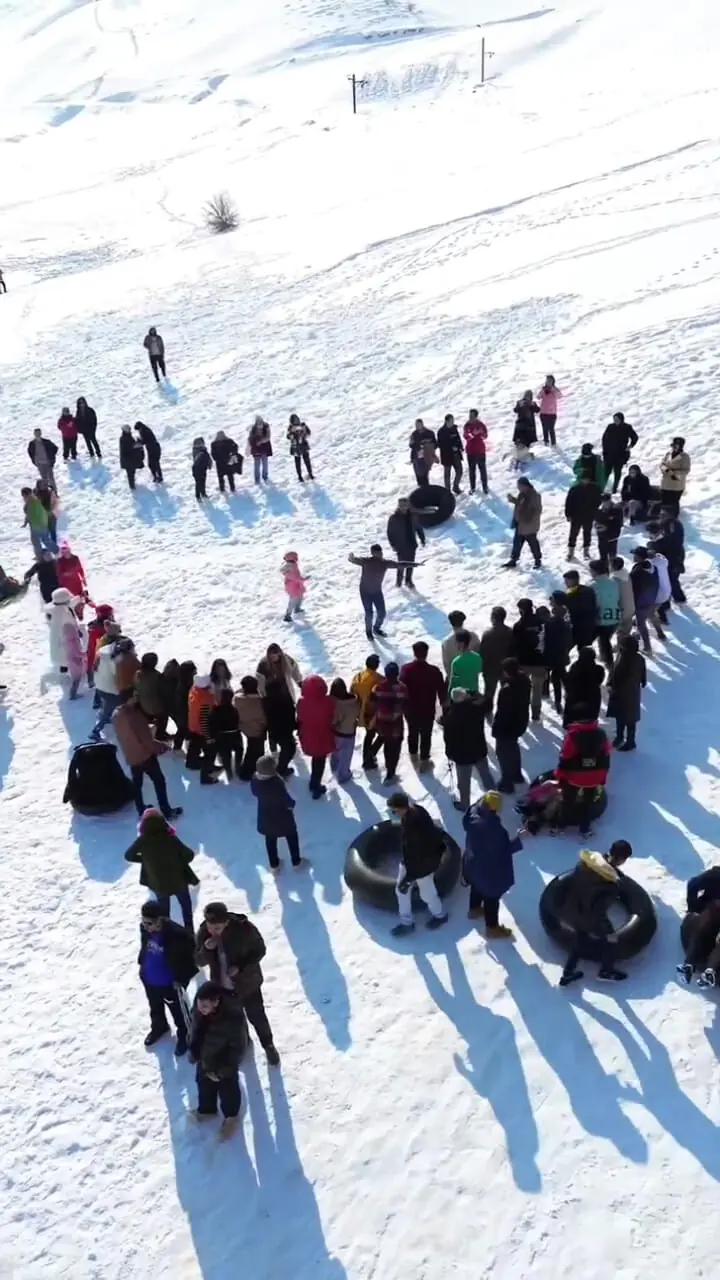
488,862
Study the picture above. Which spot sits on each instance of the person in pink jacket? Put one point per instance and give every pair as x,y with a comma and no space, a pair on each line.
548,398
294,584
475,433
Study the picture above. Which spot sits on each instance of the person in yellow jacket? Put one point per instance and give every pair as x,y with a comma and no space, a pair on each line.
362,686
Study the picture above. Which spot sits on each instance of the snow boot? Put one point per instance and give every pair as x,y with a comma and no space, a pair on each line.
378,631
228,1128
318,792
567,978
686,972
707,978
426,766
476,913
402,930
272,1055
155,1034
509,564
499,931
181,1047
611,975
436,922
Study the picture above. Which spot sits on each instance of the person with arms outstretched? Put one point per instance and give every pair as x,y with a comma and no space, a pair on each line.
374,567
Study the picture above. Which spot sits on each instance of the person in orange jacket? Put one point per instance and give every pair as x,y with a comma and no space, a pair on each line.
201,749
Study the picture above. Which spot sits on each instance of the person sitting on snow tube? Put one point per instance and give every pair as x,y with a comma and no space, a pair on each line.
592,888
9,587
541,804
96,782
701,929
582,769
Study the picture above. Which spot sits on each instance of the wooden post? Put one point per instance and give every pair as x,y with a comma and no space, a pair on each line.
482,60
356,84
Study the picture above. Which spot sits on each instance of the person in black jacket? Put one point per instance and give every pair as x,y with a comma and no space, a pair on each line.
46,569
668,537
298,433
526,411
451,450
224,731
608,525
132,455
201,464
421,852
404,531
636,494
703,902
218,1041
583,687
581,504
618,439
512,716
581,605
153,449
42,454
227,459
422,451
167,965
86,423
529,649
558,643
463,724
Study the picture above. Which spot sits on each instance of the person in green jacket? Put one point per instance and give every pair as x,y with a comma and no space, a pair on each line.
466,666
589,466
36,520
164,864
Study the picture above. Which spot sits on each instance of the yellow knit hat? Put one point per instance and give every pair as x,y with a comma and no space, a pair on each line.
493,800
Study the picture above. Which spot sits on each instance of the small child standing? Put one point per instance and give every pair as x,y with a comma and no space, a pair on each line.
294,584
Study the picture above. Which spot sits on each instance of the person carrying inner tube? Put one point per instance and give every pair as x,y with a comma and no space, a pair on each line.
591,889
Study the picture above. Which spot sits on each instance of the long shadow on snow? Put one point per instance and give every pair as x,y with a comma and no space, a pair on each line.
7,745
155,506
493,1067
243,508
659,1090
322,978
265,1213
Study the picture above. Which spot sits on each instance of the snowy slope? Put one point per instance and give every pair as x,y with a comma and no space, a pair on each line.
443,1112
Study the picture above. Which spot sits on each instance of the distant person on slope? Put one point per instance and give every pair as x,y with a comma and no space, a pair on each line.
227,459
45,567
36,520
618,439
362,686
141,750
675,468
164,864
488,863
581,504
155,348
86,422
374,567
167,965
475,434
42,454
592,888
233,947
260,447
525,522
422,847
67,427
548,397
201,464
451,646
422,451
3,286
132,454
426,688
526,411
404,531
294,584
635,494
298,433
590,466
496,644
608,526
71,575
153,448
451,452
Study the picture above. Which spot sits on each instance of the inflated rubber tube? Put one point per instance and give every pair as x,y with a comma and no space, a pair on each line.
96,783
632,937
432,504
377,887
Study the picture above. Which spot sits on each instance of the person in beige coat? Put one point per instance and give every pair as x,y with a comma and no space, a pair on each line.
451,645
674,469
627,595
526,522
253,724
278,665
141,750
346,717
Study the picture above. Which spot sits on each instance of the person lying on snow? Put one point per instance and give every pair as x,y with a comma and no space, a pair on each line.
592,889
541,805
703,903
10,587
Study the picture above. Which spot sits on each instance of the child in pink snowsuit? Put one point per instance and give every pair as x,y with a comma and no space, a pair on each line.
294,584
548,398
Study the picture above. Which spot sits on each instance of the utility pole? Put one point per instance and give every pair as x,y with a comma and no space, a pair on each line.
356,84
484,54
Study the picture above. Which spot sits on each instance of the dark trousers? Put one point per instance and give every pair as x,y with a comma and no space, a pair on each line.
575,527
422,472
155,469
607,953
420,735
226,1091
607,547
507,751
670,500
613,467
556,681
663,612
604,639
405,575
93,447
157,363
625,732
223,476
576,805
3,286
491,679
287,746
491,906
130,472
391,754
454,468
373,600
181,733
69,448
477,466
185,901
293,844
230,751
317,769
200,487
678,594
200,755
160,999
371,745
254,748
149,769
702,939
547,422
519,541
299,458
254,1007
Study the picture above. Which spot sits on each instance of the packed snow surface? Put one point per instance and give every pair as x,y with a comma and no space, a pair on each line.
444,1111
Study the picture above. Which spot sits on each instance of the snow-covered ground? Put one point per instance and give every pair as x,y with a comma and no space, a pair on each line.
444,1112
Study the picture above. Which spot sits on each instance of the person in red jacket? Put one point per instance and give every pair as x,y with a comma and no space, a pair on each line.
426,687
315,714
387,703
582,769
67,427
475,433
104,613
71,575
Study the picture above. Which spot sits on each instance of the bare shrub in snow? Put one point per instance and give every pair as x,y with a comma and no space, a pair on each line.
221,213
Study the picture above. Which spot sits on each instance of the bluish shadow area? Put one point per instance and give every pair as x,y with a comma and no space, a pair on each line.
155,505
66,114
217,517
322,978
101,842
321,501
243,507
277,501
257,1219
493,1065
7,744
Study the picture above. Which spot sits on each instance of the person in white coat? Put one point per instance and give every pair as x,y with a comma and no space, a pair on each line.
627,597
664,595
66,647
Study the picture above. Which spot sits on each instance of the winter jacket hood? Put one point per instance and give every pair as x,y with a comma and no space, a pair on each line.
315,711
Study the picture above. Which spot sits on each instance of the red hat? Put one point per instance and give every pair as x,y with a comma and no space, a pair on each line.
104,611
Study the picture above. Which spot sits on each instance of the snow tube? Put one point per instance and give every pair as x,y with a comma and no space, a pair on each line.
367,880
633,936
96,783
432,504
526,807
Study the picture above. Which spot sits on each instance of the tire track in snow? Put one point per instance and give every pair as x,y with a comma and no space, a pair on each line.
128,31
